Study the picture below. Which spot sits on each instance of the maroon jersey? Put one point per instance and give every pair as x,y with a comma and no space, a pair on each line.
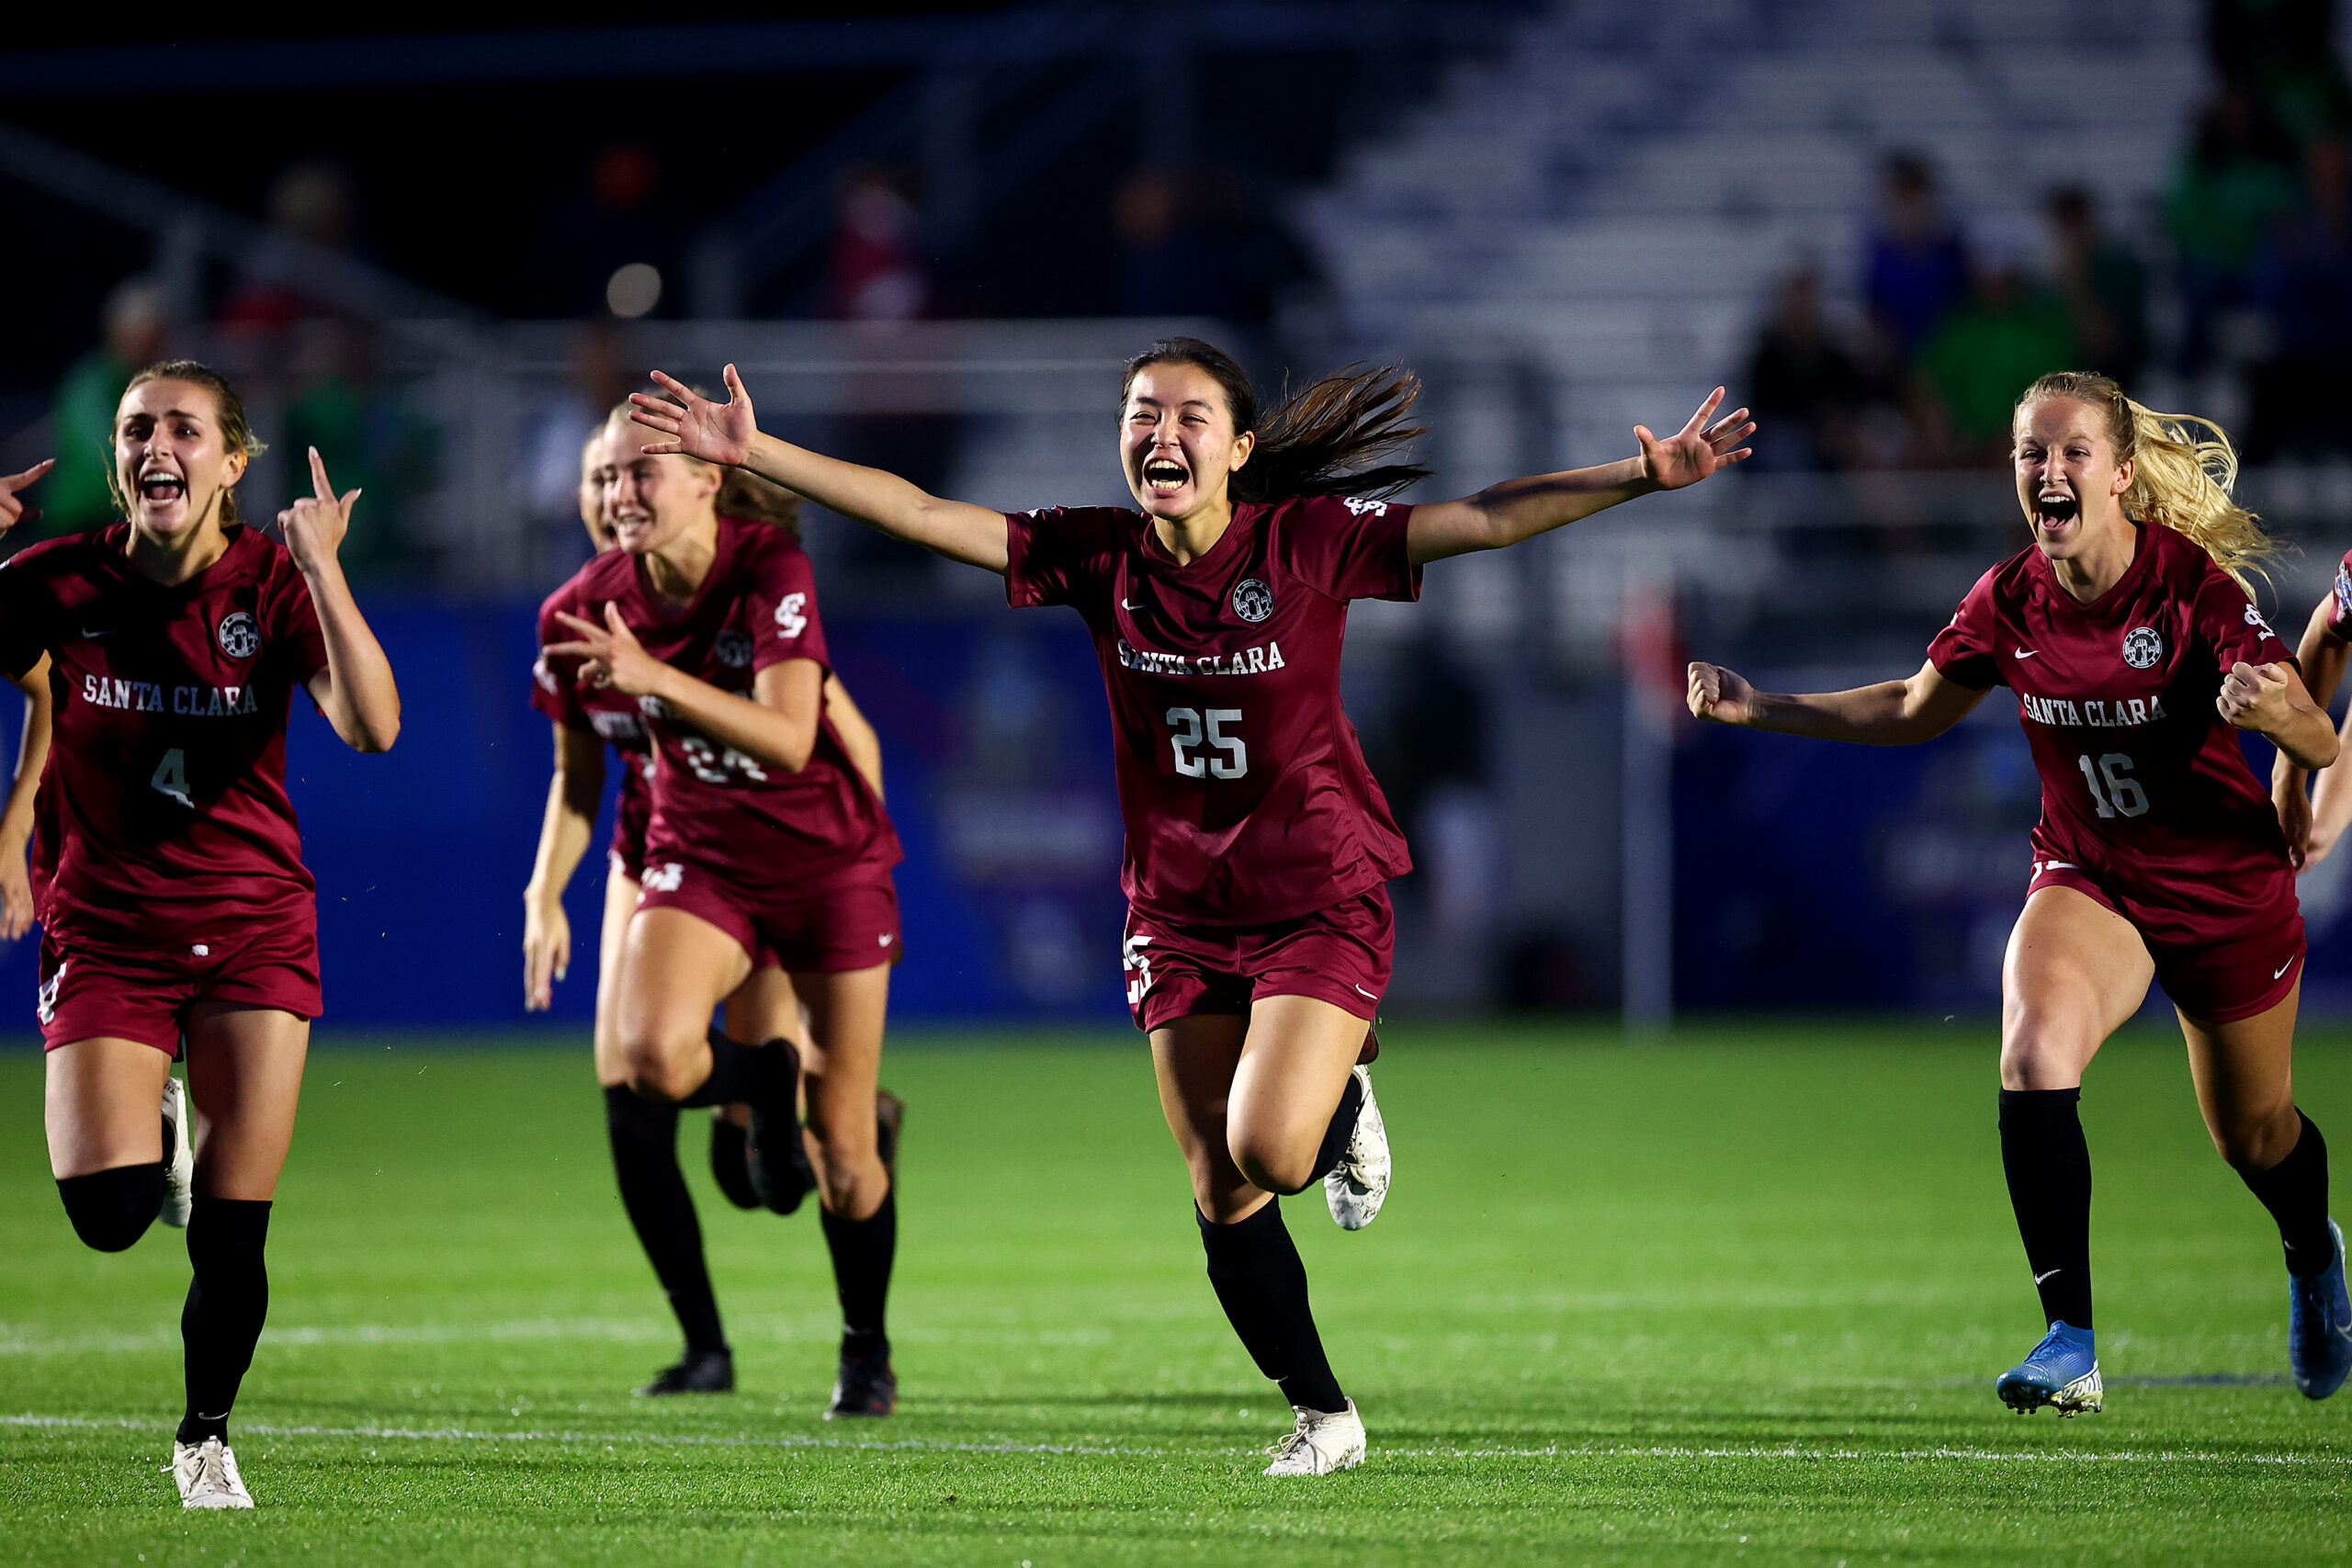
1245,793
612,714
712,805
2142,783
163,811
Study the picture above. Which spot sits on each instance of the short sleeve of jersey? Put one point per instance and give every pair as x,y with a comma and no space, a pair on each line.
1061,554
26,605
554,690
2226,621
302,646
2339,604
1351,549
783,605
1963,651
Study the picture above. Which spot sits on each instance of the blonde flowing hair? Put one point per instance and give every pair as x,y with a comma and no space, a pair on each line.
2183,468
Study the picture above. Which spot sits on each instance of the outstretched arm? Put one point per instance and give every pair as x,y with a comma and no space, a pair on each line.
573,797
1520,509
1893,713
17,913
728,434
356,691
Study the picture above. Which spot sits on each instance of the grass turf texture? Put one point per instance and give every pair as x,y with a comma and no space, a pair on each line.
1736,1297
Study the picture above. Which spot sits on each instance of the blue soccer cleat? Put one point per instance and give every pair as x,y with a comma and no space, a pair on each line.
2319,1326
2061,1373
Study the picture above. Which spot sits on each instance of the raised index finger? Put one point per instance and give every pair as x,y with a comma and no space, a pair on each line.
319,485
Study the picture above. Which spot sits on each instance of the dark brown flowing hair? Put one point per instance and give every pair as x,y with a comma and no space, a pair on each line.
236,431
1326,440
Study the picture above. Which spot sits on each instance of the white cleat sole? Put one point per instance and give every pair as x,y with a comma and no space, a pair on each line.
1358,1185
1323,1441
206,1474
179,1164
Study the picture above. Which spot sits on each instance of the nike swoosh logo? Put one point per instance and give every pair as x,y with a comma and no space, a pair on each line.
884,940
2039,1278
1364,994
2282,969
107,631
1124,605
2028,652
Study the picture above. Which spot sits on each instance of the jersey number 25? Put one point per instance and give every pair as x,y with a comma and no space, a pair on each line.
1192,728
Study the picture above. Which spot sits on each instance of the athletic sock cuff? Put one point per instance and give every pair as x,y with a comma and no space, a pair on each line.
111,1209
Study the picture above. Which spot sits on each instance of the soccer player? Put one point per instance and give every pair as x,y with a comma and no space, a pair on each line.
177,911
2126,631
765,837
2315,819
643,1134
1258,844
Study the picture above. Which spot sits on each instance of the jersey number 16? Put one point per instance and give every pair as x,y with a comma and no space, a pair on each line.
2122,796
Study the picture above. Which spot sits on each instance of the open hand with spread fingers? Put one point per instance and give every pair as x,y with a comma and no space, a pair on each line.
13,508
1721,696
316,525
716,432
611,655
1699,448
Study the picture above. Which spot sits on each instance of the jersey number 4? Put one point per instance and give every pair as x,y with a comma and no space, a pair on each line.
2122,796
1192,728
171,777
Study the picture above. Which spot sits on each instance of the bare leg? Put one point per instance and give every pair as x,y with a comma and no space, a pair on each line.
100,1105
621,891
2246,1083
846,1014
2076,973
675,968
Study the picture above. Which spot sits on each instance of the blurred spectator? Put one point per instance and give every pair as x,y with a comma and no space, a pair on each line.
1803,385
556,426
2104,284
2303,283
610,249
2284,52
1194,243
312,201
875,273
1917,268
1974,364
74,495
369,439
2235,181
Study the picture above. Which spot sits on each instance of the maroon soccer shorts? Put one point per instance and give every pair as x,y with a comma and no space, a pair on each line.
847,922
88,992
1340,955
2231,971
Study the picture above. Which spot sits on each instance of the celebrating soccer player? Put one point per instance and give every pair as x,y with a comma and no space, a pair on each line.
2137,657
177,909
644,1133
2314,818
767,843
1258,844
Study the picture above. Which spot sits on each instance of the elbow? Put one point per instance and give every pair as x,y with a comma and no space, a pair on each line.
372,735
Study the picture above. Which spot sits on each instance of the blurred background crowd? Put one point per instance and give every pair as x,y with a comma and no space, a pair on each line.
929,232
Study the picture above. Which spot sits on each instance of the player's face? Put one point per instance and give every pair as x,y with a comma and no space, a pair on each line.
170,457
1177,440
592,493
651,498
2069,483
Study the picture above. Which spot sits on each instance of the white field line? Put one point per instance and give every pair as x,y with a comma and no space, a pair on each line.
20,1341
1555,1451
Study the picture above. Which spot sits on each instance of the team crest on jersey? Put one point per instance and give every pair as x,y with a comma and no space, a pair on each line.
240,635
1252,600
733,648
2143,648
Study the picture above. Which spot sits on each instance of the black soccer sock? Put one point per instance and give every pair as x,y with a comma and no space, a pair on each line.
227,1301
756,1075
2048,1166
1342,1128
653,1190
862,1253
2295,1191
111,1209
1260,1281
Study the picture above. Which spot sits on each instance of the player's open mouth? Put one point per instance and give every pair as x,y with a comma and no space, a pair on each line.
2055,511
162,489
1165,477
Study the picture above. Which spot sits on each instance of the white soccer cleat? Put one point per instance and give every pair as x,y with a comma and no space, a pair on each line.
1323,1441
207,1475
1358,1185
179,1159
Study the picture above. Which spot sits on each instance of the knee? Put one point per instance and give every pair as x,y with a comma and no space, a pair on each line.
111,1209
1274,1164
2041,1051
2252,1144
655,1065
845,1157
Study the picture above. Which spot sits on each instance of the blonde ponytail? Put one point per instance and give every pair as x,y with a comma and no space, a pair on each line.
2183,468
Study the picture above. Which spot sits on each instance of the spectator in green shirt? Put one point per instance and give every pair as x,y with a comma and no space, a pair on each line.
2230,188
1974,363
74,495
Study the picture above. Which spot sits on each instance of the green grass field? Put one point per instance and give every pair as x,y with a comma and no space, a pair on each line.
1740,1297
